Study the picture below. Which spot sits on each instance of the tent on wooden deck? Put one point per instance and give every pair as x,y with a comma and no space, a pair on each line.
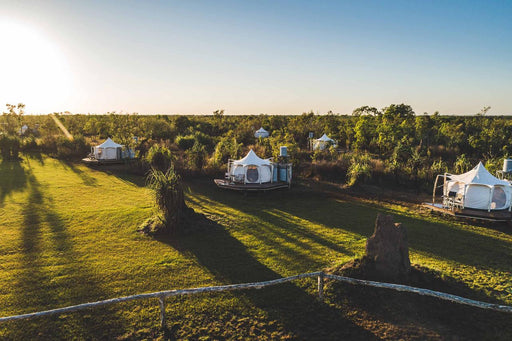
477,189
108,150
251,169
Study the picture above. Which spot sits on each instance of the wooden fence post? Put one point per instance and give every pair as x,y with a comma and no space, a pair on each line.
321,285
161,301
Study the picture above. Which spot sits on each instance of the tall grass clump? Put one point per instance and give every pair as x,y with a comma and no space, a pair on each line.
168,194
359,170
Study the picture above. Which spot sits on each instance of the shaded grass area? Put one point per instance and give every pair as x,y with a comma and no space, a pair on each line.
69,236
334,230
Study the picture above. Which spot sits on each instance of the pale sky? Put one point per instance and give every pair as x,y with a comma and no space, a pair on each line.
252,57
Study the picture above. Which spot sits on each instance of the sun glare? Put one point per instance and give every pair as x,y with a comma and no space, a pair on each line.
32,69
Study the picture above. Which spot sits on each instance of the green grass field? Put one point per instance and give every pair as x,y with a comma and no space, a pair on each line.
69,236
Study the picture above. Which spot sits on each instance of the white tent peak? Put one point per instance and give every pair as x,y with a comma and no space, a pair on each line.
325,138
109,144
323,142
479,175
261,133
252,159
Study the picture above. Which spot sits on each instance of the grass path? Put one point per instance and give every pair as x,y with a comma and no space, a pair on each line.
69,236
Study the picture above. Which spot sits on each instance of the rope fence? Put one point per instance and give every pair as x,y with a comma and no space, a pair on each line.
161,295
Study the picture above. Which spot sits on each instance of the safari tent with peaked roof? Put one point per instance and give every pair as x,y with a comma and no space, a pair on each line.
251,169
261,133
252,173
323,142
477,189
108,150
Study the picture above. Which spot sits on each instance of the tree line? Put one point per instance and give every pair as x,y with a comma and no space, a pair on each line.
392,145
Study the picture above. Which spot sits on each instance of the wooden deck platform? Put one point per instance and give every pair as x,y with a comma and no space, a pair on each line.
96,162
500,215
221,183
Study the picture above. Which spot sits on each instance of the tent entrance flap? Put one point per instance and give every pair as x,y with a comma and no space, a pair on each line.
252,174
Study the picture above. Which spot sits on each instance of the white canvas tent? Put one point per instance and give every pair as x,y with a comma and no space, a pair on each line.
261,133
477,189
323,142
23,129
108,150
251,169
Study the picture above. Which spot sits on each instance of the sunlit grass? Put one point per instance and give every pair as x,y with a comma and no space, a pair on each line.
69,236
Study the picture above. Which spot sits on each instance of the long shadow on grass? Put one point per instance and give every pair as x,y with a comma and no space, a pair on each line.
12,178
86,178
445,241
52,276
301,314
34,155
437,239
130,173
285,241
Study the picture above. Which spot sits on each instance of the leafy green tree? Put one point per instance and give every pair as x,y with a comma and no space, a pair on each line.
364,132
12,119
397,122
346,131
366,110
227,148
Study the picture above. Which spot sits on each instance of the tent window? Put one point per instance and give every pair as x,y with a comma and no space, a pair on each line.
499,197
252,173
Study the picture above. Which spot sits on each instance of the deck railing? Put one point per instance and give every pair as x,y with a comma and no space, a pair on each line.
321,276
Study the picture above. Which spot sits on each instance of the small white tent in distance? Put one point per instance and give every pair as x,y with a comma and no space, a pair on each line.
477,189
108,150
261,133
251,169
323,142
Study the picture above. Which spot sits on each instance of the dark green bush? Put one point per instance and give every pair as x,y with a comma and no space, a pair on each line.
159,157
29,144
9,147
185,142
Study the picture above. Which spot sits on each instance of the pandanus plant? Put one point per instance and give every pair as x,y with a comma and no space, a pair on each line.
169,197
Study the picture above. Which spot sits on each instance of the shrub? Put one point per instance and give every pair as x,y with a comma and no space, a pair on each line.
9,147
29,144
462,164
359,169
493,165
205,140
226,148
159,157
185,142
438,167
197,156
67,149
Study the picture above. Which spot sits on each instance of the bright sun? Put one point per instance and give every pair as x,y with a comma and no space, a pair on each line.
32,69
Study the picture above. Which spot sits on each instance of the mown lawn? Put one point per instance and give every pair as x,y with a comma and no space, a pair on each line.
69,236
